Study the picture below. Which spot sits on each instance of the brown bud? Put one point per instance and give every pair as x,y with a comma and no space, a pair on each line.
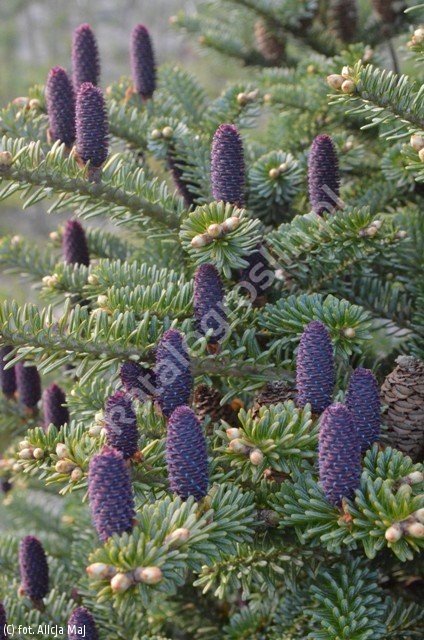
256,457
417,141
335,81
230,224
215,230
121,582
6,158
348,86
237,446
201,240
64,466
101,571
148,575
38,453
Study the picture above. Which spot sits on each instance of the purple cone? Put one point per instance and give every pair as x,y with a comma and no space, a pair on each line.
60,106
53,410
323,175
175,166
186,455
33,568
339,454
227,165
28,384
3,623
363,401
121,424
85,57
257,276
142,62
92,128
315,373
209,310
173,372
7,376
138,381
81,625
74,244
110,494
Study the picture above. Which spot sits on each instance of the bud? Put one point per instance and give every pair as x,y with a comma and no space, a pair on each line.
179,536
167,132
349,332
227,165
393,533
60,106
335,81
26,454
315,372
121,582
93,279
156,134
24,444
415,529
64,466
417,142
74,244
238,446
148,575
62,450
38,453
143,64
201,240
85,57
256,457
208,303
95,430
421,155
6,159
54,410
33,569
419,515
348,86
81,619
215,230
416,477
76,474
323,175
186,455
100,571
233,433
174,380
274,173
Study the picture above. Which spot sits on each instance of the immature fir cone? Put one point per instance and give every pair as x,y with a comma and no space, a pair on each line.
339,454
81,619
270,41
138,381
110,494
33,569
91,125
60,106
74,244
28,384
403,393
363,401
257,276
53,410
3,623
175,166
323,175
85,57
208,303
7,376
121,424
227,166
143,62
274,392
315,373
186,455
344,19
173,372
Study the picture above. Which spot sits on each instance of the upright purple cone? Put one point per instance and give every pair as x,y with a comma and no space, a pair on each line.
54,411
7,376
28,384
209,310
60,106
174,380
82,620
186,455
33,569
142,62
339,454
315,373
74,244
138,381
121,424
323,175
92,128
227,165
257,276
363,401
110,494
85,57
3,623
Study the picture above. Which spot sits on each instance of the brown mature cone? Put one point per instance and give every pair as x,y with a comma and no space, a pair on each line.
270,41
403,393
344,19
273,393
207,400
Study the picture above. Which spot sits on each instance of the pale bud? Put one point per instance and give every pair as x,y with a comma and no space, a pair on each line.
233,433
24,444
242,99
401,234
34,103
62,450
102,300
415,477
167,132
421,155
215,230
252,95
348,86
268,98
54,236
256,457
95,430
156,134
418,35
417,141
346,72
377,224
415,529
283,167
230,224
419,515
201,240
26,454
38,453
100,571
148,575
371,231
76,474
349,332
393,533
6,158
64,466
16,468
121,582
237,446
93,279
274,173
335,81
